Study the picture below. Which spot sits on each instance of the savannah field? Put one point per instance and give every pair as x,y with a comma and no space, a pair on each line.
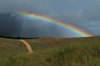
49,51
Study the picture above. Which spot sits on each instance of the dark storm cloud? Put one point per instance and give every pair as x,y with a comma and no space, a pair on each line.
9,26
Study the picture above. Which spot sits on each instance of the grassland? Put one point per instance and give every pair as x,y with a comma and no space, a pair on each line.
51,52
11,46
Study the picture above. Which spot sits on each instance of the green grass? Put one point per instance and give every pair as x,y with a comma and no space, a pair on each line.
57,52
11,46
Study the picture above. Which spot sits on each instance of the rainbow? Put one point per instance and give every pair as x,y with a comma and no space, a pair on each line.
44,19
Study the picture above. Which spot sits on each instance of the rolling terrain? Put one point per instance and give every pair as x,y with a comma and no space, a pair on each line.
49,51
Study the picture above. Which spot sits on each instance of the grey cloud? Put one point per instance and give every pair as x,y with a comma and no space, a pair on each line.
71,11
92,13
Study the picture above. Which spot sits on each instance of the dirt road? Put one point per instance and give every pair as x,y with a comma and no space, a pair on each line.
27,45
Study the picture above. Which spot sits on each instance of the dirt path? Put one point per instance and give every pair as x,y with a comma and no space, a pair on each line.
27,45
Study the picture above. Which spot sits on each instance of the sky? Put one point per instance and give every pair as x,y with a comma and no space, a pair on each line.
84,13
